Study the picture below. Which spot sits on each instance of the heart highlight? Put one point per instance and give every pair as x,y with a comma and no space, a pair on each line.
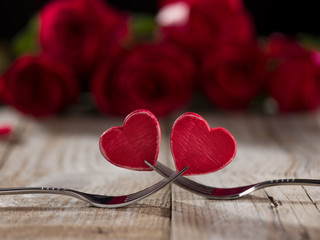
204,150
136,141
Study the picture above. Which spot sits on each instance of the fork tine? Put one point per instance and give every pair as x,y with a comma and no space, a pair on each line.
182,181
152,189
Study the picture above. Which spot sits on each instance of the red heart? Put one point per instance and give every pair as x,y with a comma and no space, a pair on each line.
133,143
204,150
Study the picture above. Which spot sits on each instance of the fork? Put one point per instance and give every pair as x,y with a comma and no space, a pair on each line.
101,201
228,193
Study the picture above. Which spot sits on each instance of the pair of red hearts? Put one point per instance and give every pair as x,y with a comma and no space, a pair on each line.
192,142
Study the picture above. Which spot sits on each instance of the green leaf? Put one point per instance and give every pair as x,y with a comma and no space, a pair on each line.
143,25
26,41
309,41
5,58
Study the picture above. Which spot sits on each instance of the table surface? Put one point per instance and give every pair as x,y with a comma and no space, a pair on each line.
63,152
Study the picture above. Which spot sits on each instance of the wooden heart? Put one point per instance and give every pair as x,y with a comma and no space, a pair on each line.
204,150
133,143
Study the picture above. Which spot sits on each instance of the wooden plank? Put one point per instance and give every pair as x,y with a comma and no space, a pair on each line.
9,117
268,148
63,152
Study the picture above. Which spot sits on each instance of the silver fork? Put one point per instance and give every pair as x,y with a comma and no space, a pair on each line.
101,201
228,193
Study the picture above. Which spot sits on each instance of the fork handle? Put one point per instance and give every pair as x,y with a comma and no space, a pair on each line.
234,193
42,190
31,190
289,181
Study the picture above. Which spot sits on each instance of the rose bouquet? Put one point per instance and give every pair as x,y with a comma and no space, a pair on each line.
129,62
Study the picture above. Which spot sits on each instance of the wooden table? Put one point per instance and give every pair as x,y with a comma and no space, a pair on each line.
63,152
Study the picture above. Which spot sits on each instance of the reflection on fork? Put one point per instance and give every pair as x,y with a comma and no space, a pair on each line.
94,199
228,193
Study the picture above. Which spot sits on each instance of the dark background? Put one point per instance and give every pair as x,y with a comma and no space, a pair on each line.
290,17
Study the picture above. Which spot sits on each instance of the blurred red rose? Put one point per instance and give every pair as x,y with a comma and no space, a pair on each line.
79,32
280,46
200,25
294,78
232,76
38,86
158,77
5,130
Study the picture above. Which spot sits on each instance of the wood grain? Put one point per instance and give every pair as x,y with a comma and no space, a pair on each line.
64,152
268,148
7,143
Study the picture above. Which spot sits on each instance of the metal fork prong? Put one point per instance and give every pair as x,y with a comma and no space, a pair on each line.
194,187
137,195
200,189
229,193
148,191
95,199
185,181
182,181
